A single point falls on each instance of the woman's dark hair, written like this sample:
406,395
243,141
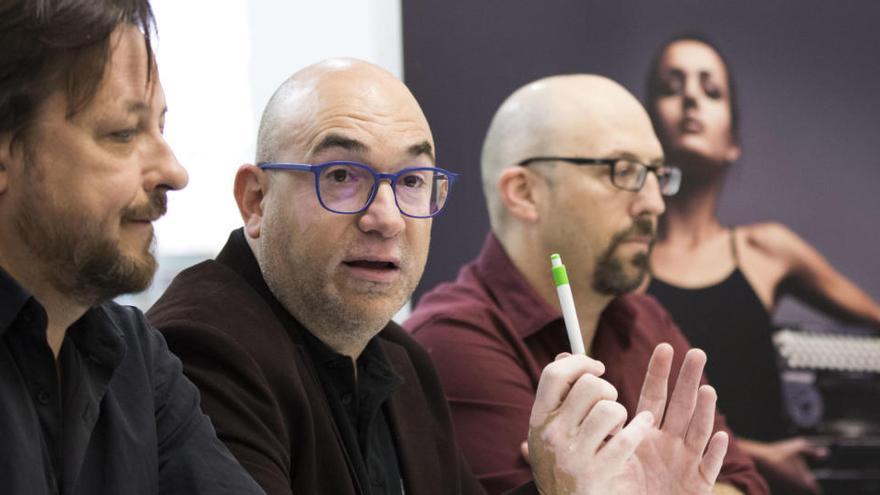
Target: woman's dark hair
51,45
654,84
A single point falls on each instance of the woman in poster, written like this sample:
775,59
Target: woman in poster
721,283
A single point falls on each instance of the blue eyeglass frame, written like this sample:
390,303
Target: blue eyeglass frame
377,178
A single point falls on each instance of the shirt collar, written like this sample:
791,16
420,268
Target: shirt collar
101,337
13,297
372,359
526,309
95,333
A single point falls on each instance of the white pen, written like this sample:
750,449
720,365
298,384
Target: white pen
566,302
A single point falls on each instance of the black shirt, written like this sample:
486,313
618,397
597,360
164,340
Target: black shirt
114,415
357,402
729,322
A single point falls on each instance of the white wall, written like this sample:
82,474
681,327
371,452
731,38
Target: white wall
219,62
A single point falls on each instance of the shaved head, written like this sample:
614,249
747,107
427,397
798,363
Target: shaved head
291,121
567,115
342,276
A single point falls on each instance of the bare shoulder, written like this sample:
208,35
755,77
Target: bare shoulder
775,241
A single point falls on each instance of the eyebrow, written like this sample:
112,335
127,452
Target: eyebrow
141,107
339,141
349,144
626,155
136,106
423,148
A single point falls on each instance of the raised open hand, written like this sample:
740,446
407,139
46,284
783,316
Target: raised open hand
578,444
674,457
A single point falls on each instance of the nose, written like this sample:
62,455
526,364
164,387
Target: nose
162,168
648,200
382,216
690,90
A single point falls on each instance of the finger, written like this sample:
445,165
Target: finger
606,418
556,382
684,397
710,466
623,445
561,355
805,447
817,452
653,395
580,401
703,420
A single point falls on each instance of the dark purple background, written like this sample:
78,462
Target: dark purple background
808,75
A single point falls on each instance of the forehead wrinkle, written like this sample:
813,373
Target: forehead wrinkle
363,129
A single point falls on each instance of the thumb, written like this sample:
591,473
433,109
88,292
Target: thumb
524,450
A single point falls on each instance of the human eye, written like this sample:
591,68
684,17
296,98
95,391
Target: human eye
413,180
712,90
671,85
339,174
626,168
123,135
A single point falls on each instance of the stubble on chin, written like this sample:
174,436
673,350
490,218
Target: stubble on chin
78,257
615,275
344,314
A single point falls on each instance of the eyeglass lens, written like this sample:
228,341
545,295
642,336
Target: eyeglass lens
347,188
631,175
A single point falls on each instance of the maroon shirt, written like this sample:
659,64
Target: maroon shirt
490,335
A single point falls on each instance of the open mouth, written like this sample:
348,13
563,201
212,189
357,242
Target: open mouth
377,271
372,265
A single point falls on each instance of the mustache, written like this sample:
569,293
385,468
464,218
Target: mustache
155,207
640,227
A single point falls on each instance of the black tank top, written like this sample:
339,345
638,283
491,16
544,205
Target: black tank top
729,322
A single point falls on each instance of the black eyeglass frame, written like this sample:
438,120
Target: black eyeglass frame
674,175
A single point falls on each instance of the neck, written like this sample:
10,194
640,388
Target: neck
61,310
534,264
691,215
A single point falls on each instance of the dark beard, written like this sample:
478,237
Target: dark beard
78,260
610,276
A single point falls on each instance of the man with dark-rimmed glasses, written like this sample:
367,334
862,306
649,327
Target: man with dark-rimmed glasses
571,165
288,331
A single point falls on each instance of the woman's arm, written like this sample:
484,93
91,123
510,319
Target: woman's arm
809,277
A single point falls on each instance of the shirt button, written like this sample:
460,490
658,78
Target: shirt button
346,399
43,397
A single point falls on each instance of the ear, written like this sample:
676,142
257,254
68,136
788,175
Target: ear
516,189
251,186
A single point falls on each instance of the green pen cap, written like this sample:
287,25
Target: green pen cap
560,277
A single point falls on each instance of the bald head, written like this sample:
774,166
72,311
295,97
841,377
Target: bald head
577,115
312,99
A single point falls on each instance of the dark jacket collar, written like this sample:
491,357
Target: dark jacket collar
238,257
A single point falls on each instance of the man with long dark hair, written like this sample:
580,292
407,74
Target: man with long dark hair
91,400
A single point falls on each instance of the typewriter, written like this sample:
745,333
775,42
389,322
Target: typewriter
831,393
